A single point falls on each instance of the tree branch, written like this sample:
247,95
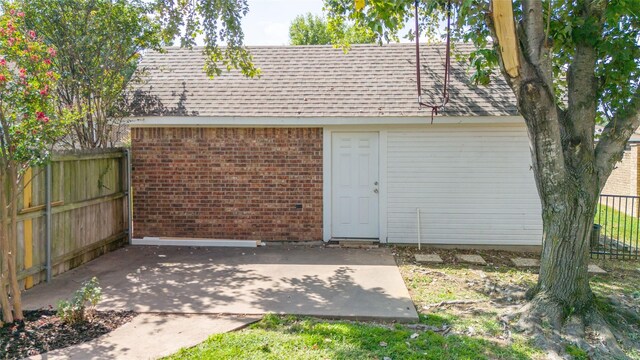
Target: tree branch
582,106
533,88
537,52
614,137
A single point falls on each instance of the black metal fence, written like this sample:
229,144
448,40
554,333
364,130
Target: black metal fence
616,228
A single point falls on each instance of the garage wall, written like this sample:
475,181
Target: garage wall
227,183
472,184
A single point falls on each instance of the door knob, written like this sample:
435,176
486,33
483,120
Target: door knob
375,191
375,183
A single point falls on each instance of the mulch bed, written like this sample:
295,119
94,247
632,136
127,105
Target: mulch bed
43,331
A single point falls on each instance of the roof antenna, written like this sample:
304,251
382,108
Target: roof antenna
447,64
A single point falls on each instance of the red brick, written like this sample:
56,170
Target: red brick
227,183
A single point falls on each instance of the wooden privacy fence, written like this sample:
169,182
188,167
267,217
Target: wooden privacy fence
72,211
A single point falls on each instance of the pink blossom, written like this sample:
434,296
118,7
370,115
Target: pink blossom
20,14
40,115
50,74
23,72
3,62
52,52
2,78
32,34
47,61
12,12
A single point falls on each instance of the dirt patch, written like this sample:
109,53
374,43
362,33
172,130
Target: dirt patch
43,331
492,257
476,300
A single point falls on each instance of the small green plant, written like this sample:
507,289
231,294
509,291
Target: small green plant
83,303
577,353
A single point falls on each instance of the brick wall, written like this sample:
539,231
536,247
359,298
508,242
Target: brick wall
624,178
227,183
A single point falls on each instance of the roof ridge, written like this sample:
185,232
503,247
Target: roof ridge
371,45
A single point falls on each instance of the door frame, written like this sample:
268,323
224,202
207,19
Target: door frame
327,168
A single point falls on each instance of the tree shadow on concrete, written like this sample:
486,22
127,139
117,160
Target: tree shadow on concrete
241,281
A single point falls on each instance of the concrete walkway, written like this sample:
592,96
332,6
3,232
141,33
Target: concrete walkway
151,336
334,283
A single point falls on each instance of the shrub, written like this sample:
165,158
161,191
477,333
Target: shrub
82,304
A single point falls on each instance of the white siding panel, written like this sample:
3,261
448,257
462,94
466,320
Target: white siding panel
473,185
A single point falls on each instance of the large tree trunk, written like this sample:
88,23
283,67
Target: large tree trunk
563,283
563,159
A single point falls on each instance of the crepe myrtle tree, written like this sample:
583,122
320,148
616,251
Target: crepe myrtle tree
99,44
570,64
28,129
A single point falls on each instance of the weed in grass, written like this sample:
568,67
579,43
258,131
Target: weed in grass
576,353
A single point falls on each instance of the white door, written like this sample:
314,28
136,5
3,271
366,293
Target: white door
355,185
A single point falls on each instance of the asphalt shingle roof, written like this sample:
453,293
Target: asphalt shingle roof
318,81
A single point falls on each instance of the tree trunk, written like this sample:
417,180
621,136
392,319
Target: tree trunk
7,315
563,284
16,296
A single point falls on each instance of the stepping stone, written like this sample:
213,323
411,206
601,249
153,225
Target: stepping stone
595,269
429,258
471,259
524,262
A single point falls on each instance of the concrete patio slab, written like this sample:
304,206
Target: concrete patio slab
471,259
524,262
316,281
429,258
151,336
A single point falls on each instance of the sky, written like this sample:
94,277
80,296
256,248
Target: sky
267,22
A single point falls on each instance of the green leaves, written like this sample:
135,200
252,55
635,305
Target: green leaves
315,30
28,123
99,44
75,311
483,62
217,21
617,41
309,29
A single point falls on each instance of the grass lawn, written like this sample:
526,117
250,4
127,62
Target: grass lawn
278,337
618,225
459,306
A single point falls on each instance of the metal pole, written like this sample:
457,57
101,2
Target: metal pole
418,227
128,191
48,215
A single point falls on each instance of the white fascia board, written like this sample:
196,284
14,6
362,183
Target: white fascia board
206,121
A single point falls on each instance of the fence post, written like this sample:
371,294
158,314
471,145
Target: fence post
128,192
48,215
